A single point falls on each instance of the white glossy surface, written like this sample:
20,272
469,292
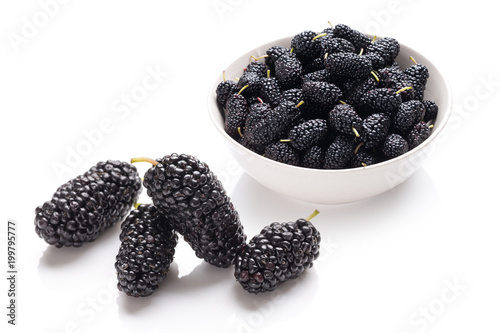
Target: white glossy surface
335,186
384,261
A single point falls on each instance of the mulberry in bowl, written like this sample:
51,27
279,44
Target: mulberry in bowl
326,121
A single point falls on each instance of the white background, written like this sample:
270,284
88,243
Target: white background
420,258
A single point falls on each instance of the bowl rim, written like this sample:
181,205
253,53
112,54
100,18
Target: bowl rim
214,112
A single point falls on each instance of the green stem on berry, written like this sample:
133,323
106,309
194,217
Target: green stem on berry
375,76
431,126
342,102
239,132
319,35
268,73
310,217
259,57
355,132
326,55
136,205
144,159
414,61
374,38
403,89
224,76
300,103
291,50
241,90
357,148
286,140
361,52
330,23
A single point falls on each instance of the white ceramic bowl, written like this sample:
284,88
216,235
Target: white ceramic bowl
335,186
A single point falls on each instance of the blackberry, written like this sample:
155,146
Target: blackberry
313,65
407,115
256,112
270,90
319,75
294,95
387,48
306,45
81,209
376,60
394,78
431,110
348,65
375,129
339,153
354,94
185,189
363,157
418,134
321,93
330,44
384,100
146,251
394,145
344,119
252,82
282,152
313,158
280,252
307,134
359,40
236,113
273,53
224,89
271,127
288,70
419,72
257,67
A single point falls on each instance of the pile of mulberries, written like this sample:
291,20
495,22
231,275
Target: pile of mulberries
188,200
327,97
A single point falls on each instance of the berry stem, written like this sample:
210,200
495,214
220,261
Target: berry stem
403,89
224,76
268,73
241,90
310,217
355,132
286,140
319,35
414,61
375,76
361,52
342,102
137,204
300,103
330,23
144,159
239,132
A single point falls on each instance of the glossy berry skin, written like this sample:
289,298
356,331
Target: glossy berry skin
418,134
288,70
186,190
282,152
348,65
387,48
224,90
235,115
359,40
339,153
394,146
305,46
81,209
408,114
344,119
385,100
280,252
321,93
146,251
308,133
375,129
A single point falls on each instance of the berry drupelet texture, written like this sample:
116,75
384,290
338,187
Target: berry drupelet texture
184,188
81,209
146,251
280,252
